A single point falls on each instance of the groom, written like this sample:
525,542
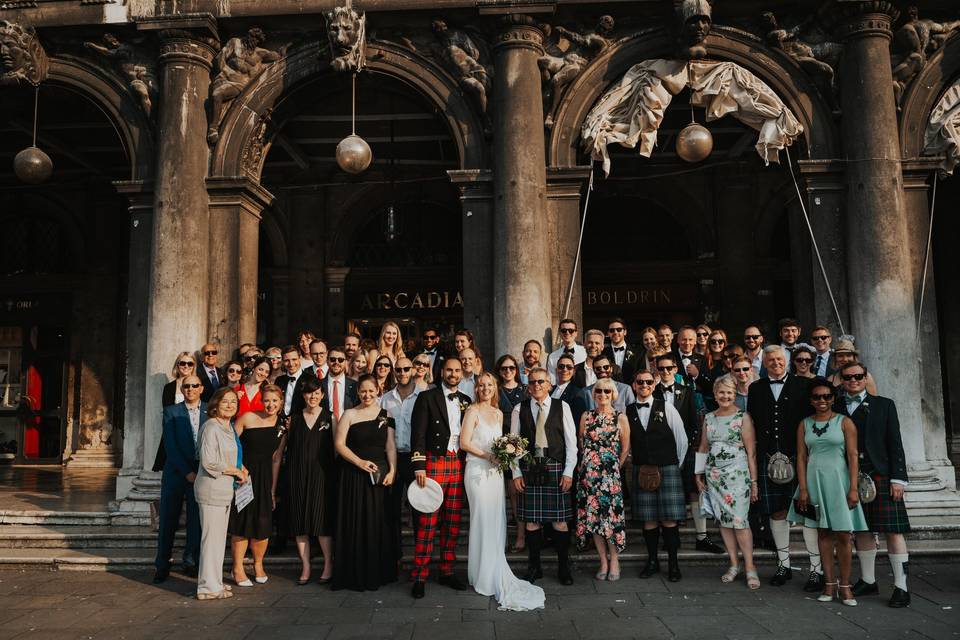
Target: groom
435,440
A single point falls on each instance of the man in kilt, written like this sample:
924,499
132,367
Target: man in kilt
777,404
543,485
883,459
435,440
657,439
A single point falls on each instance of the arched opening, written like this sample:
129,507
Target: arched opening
63,260
363,249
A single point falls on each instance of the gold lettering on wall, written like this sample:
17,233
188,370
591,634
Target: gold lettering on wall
654,296
404,300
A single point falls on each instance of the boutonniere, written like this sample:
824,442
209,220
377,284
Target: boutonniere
382,422
324,425
659,414
463,404
866,407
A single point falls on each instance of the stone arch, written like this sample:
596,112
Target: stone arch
775,68
277,241
110,94
941,70
239,127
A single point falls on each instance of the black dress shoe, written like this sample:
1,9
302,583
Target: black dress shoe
781,576
673,572
708,545
650,569
865,589
899,599
814,583
533,574
161,576
418,589
566,577
453,582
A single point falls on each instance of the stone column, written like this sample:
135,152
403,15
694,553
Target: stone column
521,275
564,205
476,201
882,310
235,208
178,300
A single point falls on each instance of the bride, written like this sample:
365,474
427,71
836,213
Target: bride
487,568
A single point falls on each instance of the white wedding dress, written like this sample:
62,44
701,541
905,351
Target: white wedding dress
487,568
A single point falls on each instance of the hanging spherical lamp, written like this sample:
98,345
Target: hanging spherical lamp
694,142
354,154
32,165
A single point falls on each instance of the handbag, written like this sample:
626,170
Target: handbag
866,487
779,469
648,477
809,513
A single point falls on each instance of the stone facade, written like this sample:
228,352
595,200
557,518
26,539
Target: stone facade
235,208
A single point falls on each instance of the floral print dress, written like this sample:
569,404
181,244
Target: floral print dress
599,492
727,473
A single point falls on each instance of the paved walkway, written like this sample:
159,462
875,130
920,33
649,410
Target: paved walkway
65,605
55,488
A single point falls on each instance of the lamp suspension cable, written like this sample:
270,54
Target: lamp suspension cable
353,103
813,241
36,108
576,261
926,262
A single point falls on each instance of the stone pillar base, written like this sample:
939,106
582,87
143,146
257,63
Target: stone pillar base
138,493
102,458
931,496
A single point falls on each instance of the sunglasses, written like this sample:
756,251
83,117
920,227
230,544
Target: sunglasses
847,377
540,381
382,365
603,367
567,330
210,353
731,356
565,367
821,396
702,334
752,337
232,370
336,359
615,330
419,363
273,357
248,358
717,341
402,369
510,367
819,338
184,363
605,392
742,369
803,360
195,385
646,382
666,368
431,337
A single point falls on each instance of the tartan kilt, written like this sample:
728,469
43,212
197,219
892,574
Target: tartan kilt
774,497
546,503
884,515
668,502
687,472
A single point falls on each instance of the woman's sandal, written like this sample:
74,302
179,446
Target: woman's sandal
215,596
825,597
753,580
850,602
730,575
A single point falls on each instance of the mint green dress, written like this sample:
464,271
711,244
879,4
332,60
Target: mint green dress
828,479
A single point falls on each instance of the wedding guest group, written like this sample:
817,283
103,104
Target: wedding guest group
356,439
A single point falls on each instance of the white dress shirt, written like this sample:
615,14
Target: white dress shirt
467,386
401,410
619,353
288,393
757,361
668,393
340,391
853,402
777,389
579,355
674,421
453,417
559,389
824,363
194,414
589,375
569,433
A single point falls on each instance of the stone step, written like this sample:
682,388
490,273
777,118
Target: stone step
112,559
74,518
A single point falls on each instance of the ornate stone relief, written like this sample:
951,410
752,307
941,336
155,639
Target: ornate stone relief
238,63
461,57
252,154
22,58
912,44
943,130
133,65
346,31
566,53
810,47
694,21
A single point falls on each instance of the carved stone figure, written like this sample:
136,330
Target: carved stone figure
252,154
132,66
346,31
462,58
22,57
696,19
559,68
912,43
815,55
237,64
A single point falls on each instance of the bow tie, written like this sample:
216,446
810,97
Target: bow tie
430,352
781,381
668,389
570,350
852,399
452,396
643,404
619,349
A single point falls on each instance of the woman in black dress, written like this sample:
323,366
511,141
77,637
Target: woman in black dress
365,554
311,479
258,431
512,393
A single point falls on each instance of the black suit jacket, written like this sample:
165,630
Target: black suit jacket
686,406
437,369
703,383
208,387
776,422
297,403
430,426
575,396
350,399
632,362
878,435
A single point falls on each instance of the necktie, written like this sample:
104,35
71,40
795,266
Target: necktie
336,399
213,378
819,362
541,433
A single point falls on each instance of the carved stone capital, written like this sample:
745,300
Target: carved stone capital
22,57
864,18
191,39
519,31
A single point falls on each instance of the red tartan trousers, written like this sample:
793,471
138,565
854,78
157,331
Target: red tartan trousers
447,470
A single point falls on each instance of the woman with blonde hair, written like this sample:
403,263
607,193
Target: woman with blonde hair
389,344
648,340
185,365
357,366
743,375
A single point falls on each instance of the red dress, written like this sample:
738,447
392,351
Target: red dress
247,403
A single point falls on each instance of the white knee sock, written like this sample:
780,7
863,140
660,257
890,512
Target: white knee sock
780,530
811,539
868,565
899,563
699,521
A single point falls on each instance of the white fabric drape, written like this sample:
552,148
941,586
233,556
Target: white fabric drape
943,130
631,112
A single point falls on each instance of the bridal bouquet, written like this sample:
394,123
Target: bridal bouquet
509,448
